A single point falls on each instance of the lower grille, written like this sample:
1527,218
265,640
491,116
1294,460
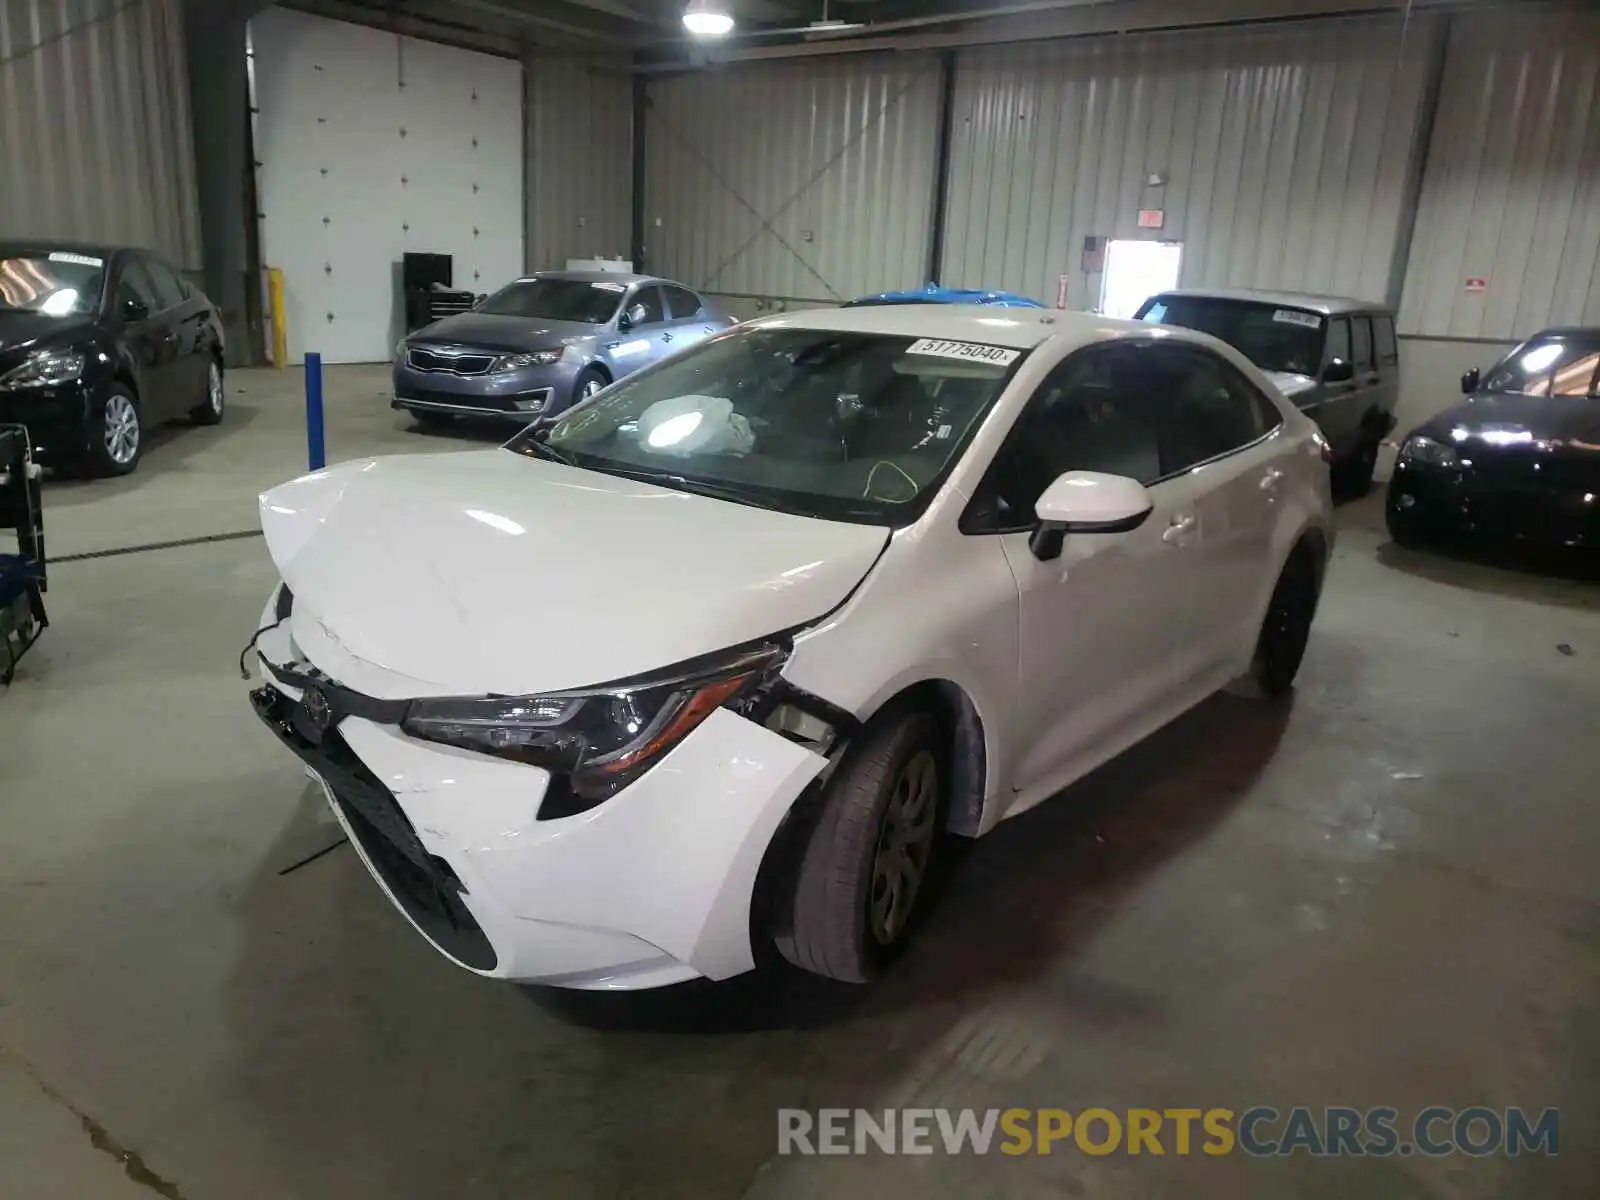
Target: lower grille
449,361
423,884
530,403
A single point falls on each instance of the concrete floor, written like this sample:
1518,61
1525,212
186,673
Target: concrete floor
1382,894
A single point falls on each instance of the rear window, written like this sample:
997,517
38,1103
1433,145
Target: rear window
1273,337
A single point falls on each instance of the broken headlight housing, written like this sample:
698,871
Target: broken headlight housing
45,368
598,739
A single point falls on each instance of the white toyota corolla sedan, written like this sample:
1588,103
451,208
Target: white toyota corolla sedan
720,657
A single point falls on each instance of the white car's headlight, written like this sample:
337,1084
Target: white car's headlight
1426,452
46,368
515,362
597,739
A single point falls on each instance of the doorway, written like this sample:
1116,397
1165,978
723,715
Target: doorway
1135,270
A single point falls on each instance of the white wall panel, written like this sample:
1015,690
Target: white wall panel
372,145
1286,149
580,160
812,181
1512,192
94,125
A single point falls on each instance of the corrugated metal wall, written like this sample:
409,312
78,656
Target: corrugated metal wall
1287,152
1512,193
580,160
95,142
809,181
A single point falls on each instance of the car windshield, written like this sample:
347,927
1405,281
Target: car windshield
1272,337
1557,365
58,283
854,427
589,302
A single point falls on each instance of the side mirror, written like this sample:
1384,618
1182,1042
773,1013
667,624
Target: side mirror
634,316
1470,381
1087,502
1338,371
477,301
134,310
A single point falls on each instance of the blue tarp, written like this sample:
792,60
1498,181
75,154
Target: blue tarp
942,295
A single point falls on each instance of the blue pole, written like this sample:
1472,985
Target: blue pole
316,449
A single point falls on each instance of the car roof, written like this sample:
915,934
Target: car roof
34,245
1565,331
1326,305
934,294
1016,328
625,278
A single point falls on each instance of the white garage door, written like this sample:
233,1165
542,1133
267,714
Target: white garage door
372,145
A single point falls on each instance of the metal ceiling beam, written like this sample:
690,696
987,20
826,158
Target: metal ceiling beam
1034,20
574,20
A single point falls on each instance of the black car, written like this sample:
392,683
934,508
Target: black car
1518,461
99,343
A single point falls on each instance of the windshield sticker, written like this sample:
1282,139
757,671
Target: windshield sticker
966,351
82,260
1289,316
611,287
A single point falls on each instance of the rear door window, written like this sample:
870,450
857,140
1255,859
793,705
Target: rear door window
1361,329
1383,336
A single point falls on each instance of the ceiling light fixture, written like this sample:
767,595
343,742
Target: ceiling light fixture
707,19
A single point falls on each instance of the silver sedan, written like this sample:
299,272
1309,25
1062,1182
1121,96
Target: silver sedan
545,342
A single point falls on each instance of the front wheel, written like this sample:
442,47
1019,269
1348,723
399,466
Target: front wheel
1287,627
591,381
116,432
863,879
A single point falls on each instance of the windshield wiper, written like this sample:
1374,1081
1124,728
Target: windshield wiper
531,442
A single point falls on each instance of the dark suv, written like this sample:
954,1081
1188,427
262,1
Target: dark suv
1336,359
97,344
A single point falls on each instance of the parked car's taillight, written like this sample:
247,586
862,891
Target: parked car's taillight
1324,447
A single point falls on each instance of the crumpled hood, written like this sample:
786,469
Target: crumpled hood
1290,383
491,572
490,332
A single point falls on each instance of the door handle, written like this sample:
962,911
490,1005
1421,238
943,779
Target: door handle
1180,528
1270,481
666,337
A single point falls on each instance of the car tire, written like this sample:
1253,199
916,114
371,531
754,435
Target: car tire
1286,628
1352,475
116,432
864,876
590,380
1401,532
211,409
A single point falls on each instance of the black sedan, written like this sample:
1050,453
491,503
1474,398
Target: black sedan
96,345
1518,461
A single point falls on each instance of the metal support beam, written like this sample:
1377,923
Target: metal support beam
941,164
641,106
1417,168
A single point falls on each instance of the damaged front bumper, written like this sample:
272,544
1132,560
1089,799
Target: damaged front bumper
654,886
